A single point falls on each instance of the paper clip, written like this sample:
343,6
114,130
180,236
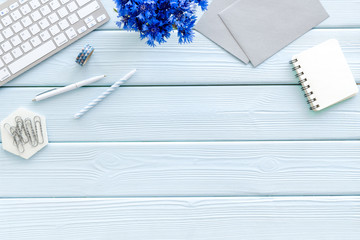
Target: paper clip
16,137
31,133
12,131
38,130
20,128
17,140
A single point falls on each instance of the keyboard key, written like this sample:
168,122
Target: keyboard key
34,29
6,46
90,8
60,39
22,1
35,41
17,52
25,9
1,39
45,10
89,19
14,6
34,4
45,35
26,21
81,30
53,18
25,35
101,18
72,6
4,74
15,40
35,16
71,33
7,58
44,23
26,47
73,18
63,12
82,2
32,56
64,24
16,15
44,1
8,32
54,4
91,24
1,26
64,1
54,30
1,65
17,27
6,21
4,12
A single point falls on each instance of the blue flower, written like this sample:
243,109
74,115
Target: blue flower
156,19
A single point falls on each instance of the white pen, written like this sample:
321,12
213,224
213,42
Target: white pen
57,91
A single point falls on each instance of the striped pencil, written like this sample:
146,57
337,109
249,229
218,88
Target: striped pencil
104,95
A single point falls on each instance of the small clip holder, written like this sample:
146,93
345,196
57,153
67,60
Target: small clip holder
23,133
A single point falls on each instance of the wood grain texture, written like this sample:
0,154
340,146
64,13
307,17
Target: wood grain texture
196,157
189,114
201,63
184,169
330,218
343,13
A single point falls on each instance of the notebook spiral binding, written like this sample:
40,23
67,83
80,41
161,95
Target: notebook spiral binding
305,87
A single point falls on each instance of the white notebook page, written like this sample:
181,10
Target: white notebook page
327,73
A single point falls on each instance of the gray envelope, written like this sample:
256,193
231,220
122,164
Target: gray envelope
211,26
264,27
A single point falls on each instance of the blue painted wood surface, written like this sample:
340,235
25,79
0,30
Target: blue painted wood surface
195,146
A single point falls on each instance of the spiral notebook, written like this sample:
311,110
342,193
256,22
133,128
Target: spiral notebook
324,74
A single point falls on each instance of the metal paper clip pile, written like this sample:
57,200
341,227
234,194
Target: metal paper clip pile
26,131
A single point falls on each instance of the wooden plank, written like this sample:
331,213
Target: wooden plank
343,13
330,218
189,114
201,63
184,169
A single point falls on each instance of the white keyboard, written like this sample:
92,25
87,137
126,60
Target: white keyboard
33,30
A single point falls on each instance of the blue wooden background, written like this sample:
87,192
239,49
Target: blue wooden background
195,146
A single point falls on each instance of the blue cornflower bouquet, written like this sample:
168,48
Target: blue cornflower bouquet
156,19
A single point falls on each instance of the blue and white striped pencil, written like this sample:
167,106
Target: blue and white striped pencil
104,94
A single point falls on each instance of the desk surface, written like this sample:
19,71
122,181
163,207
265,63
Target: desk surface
195,146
